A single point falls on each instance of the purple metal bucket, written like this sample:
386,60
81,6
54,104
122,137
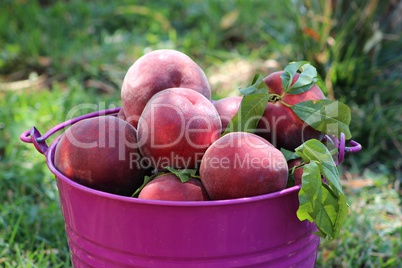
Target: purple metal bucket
106,230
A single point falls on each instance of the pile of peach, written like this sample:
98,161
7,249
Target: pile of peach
171,141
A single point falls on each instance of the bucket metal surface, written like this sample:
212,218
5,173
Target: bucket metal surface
106,230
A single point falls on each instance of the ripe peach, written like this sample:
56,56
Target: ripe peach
176,127
298,172
121,114
242,164
98,153
156,71
227,108
169,187
279,124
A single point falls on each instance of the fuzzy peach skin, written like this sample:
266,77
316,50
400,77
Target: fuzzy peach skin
298,172
170,188
227,109
156,71
98,152
176,127
242,164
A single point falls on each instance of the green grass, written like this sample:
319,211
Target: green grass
85,47
372,233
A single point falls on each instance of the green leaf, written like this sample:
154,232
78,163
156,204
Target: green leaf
289,155
289,72
250,111
183,174
327,213
327,116
314,150
337,210
343,209
322,203
310,193
307,79
257,86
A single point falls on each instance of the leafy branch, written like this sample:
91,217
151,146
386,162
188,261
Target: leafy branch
322,202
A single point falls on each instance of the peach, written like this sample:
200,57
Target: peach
242,164
227,109
176,127
98,153
170,188
156,71
279,124
298,172
121,115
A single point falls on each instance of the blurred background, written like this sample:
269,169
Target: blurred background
55,55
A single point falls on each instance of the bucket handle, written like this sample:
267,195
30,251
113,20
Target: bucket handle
342,148
39,141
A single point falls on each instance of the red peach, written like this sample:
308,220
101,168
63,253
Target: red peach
227,109
298,172
98,153
176,127
156,71
121,114
170,188
242,164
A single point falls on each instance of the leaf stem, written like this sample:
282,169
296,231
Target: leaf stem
284,103
275,98
292,170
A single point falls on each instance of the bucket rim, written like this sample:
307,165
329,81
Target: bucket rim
227,202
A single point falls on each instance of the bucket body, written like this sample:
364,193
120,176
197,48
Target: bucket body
106,230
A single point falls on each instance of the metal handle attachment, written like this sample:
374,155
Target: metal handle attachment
342,148
39,141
